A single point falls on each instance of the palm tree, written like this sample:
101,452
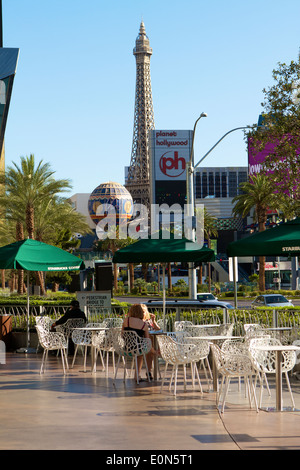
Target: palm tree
29,186
257,194
55,216
26,187
209,230
11,231
56,223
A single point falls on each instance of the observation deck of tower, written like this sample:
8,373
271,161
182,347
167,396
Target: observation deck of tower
138,180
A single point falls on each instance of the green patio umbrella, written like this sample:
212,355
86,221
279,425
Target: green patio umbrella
164,250
282,240
32,255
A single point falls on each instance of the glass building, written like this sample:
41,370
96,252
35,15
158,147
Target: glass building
222,182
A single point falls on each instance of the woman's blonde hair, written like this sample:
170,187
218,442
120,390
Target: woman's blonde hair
137,311
146,312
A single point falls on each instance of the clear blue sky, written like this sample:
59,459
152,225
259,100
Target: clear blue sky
73,97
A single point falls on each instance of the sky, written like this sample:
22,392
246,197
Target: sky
72,103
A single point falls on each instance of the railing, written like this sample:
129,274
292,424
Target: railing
268,318
19,313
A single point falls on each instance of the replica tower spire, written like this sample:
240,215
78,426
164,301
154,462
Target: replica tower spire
138,180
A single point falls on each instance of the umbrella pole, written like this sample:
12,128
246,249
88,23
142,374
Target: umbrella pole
27,349
28,316
235,281
164,296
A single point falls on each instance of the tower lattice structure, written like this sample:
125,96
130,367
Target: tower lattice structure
138,180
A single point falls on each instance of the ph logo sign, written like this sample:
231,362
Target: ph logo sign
173,165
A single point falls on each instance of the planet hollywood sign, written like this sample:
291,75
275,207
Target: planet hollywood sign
168,142
170,152
173,162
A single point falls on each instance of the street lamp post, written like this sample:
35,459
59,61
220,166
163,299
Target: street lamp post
190,196
191,212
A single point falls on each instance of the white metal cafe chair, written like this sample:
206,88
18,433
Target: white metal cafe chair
225,329
265,362
254,330
176,354
251,326
45,322
193,330
181,325
297,343
52,341
67,328
235,346
83,338
112,322
128,345
202,347
231,366
103,342
203,331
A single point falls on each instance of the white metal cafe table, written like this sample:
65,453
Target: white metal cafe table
201,328
278,349
214,339
280,329
94,330
154,334
209,325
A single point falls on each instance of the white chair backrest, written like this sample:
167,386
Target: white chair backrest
225,329
44,321
112,322
130,344
266,360
181,325
49,339
67,327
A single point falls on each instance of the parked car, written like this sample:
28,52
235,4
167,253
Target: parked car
205,296
215,304
271,300
207,304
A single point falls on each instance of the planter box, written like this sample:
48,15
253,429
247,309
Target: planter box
19,340
6,330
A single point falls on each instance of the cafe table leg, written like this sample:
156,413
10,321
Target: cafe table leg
215,376
93,354
278,381
214,372
155,360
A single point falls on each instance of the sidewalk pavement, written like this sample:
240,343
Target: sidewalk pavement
85,411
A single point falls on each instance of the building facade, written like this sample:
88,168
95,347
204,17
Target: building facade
219,182
215,188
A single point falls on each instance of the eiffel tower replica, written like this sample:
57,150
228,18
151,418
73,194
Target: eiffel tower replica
138,180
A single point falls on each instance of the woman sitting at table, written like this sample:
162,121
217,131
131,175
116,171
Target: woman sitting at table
150,318
152,325
135,322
